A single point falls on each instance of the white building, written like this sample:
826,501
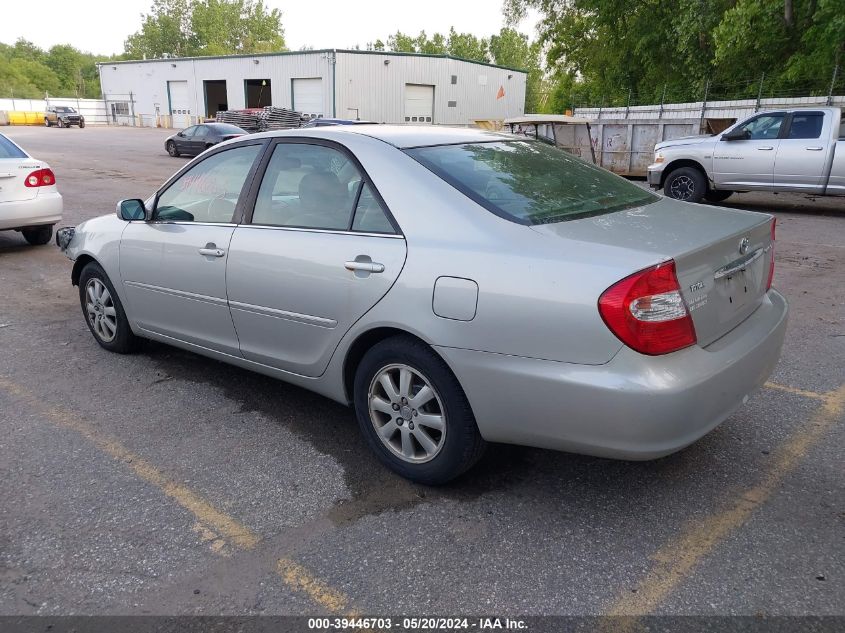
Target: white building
384,87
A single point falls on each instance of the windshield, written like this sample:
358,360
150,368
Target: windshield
64,109
530,182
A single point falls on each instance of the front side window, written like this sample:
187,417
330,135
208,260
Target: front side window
765,127
189,131
312,186
806,125
530,182
209,191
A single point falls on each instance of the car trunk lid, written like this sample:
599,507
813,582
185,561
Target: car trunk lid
722,256
13,173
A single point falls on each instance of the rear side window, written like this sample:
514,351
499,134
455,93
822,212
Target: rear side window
806,125
530,182
9,149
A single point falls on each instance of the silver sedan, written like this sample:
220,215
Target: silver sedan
455,286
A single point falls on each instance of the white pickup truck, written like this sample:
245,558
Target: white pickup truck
801,150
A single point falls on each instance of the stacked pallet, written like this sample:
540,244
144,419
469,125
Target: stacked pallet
281,119
262,119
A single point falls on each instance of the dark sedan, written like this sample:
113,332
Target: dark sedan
198,138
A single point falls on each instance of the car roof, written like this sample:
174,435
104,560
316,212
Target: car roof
401,136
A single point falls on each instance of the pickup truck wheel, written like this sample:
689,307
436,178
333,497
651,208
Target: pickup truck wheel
413,412
104,312
713,195
38,235
685,183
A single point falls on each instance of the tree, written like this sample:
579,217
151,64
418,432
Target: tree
165,30
513,49
467,46
223,27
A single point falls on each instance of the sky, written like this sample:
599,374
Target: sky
101,26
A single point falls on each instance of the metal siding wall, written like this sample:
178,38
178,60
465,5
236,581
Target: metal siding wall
363,82
378,90
148,80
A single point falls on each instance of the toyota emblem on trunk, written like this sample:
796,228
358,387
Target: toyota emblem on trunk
743,246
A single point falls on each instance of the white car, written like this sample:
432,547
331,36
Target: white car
29,200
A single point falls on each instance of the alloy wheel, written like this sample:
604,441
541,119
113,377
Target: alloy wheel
407,413
682,188
100,309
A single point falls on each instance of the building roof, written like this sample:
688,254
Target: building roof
311,52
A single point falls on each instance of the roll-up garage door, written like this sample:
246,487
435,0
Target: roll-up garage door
180,103
308,96
419,103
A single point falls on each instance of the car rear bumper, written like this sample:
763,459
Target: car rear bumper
45,208
634,407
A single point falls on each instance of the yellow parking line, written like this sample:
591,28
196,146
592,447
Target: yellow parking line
297,577
213,526
674,561
796,391
225,526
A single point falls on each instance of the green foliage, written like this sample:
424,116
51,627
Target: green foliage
28,72
613,51
185,28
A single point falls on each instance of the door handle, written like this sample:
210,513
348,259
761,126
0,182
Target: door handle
368,267
211,250
767,148
814,149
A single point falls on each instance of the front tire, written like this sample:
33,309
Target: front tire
104,312
414,413
172,149
714,195
38,235
685,183
81,124
60,123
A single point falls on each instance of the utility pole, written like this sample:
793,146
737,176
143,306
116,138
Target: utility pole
760,92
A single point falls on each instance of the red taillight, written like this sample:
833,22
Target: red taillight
41,178
772,259
647,312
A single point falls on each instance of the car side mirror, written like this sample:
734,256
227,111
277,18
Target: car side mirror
179,134
737,135
131,209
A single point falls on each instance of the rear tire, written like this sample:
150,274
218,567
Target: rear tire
714,195
685,183
38,235
104,312
437,438
46,122
172,149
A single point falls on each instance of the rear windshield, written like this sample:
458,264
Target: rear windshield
530,182
9,149
225,128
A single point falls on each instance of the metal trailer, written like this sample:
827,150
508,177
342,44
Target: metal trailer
623,146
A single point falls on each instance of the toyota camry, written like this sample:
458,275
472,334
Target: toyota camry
454,286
